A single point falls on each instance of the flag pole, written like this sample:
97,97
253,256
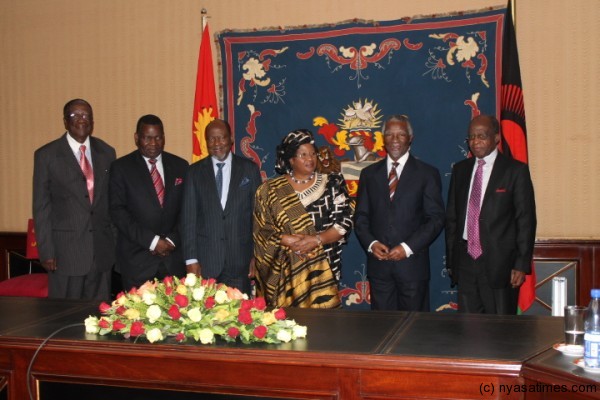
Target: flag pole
205,17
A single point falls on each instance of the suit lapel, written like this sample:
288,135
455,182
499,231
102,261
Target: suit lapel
380,177
405,178
71,167
145,179
498,171
234,182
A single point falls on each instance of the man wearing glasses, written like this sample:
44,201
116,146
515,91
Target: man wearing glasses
490,224
70,208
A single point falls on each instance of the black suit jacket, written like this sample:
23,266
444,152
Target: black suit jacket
68,228
415,215
219,238
138,216
507,221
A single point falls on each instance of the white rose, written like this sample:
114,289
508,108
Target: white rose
195,315
198,293
299,331
148,298
91,325
290,322
206,336
221,297
154,335
191,279
153,313
284,335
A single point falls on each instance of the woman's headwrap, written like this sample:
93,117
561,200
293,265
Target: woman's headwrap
288,148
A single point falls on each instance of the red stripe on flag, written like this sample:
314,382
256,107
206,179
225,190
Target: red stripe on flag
205,100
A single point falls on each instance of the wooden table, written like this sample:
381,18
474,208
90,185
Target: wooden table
346,355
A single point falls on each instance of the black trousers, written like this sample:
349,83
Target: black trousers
475,295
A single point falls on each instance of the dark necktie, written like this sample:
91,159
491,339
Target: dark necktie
86,168
474,243
219,178
393,180
157,182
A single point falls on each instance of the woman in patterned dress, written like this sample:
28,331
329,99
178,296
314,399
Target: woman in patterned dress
301,220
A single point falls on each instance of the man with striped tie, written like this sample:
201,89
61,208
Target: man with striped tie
146,189
399,212
70,208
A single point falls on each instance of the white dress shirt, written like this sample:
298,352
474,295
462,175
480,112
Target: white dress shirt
485,179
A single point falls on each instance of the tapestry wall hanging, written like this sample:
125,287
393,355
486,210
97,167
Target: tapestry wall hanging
343,80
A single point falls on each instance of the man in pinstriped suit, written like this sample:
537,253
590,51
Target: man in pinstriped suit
217,232
74,235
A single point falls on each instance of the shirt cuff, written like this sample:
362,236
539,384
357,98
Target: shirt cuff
154,243
407,249
370,249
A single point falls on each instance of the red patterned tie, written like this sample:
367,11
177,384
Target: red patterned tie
88,172
157,182
473,242
393,180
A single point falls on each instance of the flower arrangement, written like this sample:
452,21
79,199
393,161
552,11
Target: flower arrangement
193,308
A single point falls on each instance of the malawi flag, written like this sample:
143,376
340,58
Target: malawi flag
514,131
205,101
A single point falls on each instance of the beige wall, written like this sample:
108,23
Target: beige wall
129,58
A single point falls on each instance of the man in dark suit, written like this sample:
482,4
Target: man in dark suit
146,190
490,256
399,212
217,212
70,208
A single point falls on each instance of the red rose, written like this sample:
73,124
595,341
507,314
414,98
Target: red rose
260,303
104,324
181,300
174,312
180,337
245,317
211,281
137,329
120,294
120,310
168,281
209,302
118,325
133,290
233,332
104,307
280,314
247,305
260,331
168,290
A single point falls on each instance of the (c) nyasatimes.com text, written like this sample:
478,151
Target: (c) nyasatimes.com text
490,388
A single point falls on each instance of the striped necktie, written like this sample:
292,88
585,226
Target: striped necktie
157,182
393,180
88,172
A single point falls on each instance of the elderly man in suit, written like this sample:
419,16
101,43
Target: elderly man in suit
490,224
399,212
70,208
146,190
217,212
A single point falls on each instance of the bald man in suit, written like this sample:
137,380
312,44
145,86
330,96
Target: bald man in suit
149,241
217,224
70,208
489,262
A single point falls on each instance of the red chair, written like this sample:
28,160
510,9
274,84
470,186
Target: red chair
31,284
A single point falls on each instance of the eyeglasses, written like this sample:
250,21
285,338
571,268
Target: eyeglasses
86,117
305,156
471,138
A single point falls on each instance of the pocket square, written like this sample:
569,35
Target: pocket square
501,190
178,181
245,182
